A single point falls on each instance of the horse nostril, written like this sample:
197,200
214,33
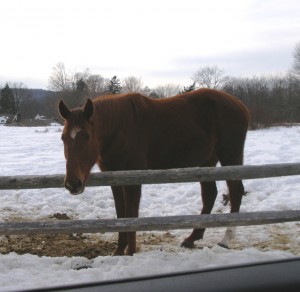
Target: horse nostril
77,184
68,186
74,187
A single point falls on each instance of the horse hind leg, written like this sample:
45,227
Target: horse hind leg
236,192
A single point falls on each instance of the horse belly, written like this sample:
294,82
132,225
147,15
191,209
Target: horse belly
181,151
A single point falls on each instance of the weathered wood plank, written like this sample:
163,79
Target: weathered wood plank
136,177
148,224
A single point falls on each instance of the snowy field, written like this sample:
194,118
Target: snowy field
40,151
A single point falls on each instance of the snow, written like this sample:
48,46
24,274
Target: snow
40,151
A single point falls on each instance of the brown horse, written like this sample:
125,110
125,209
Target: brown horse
132,132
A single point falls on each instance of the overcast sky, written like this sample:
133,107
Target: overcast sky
158,41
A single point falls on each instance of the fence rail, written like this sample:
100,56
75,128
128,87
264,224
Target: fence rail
152,177
148,224
136,177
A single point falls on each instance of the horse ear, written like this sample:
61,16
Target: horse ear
63,110
88,109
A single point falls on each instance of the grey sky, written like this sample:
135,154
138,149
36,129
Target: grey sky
159,41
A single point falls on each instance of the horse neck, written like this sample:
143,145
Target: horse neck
107,120
113,113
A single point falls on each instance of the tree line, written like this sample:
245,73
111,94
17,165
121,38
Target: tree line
23,103
272,100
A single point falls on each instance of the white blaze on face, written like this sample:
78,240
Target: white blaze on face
74,132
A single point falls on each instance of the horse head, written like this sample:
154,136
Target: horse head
79,145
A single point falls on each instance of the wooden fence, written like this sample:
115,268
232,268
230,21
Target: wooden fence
153,177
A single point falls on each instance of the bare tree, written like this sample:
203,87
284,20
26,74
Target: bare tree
296,63
97,85
58,80
72,87
210,77
167,90
132,84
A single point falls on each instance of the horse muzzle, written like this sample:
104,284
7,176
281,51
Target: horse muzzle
75,187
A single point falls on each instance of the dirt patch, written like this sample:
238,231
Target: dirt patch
57,245
94,245
282,239
269,237
86,245
60,216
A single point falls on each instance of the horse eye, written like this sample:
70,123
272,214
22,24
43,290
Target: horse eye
85,135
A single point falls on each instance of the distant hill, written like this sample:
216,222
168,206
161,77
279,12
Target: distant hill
42,93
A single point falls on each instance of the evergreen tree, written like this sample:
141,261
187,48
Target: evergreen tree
81,85
153,94
7,102
114,86
189,88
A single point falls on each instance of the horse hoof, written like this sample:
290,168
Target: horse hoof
187,244
117,252
223,245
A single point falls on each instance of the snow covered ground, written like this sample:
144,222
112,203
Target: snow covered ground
40,151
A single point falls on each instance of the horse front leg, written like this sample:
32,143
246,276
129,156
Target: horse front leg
118,194
132,203
209,193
